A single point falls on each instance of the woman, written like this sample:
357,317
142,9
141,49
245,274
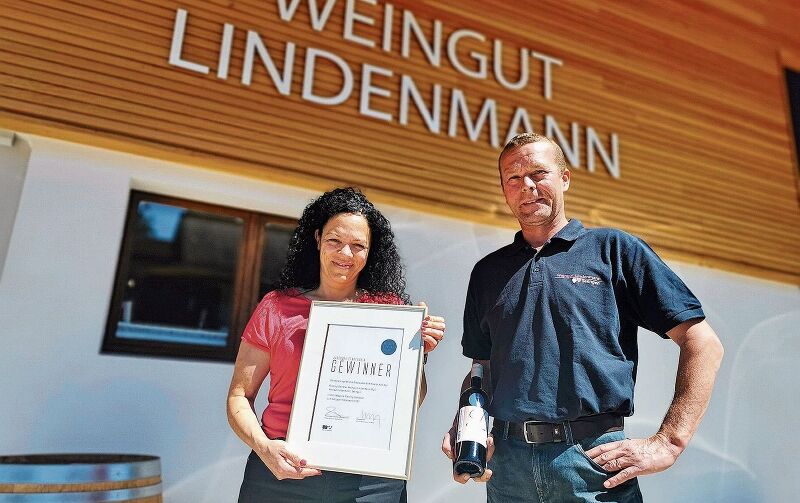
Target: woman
342,250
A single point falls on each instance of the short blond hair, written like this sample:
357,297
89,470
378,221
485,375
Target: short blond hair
526,138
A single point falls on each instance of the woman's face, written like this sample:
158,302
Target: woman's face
343,248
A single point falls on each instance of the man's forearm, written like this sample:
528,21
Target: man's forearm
700,358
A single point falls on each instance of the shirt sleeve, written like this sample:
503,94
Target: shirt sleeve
655,297
260,330
475,342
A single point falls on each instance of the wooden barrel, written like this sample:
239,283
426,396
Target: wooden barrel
77,478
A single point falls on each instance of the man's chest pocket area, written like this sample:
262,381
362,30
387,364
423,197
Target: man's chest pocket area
584,294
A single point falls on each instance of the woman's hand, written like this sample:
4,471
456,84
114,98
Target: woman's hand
432,331
282,462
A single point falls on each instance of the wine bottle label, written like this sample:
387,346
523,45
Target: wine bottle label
472,423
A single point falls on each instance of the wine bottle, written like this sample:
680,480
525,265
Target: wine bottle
473,427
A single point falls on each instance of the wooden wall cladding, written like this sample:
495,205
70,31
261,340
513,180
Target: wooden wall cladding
691,91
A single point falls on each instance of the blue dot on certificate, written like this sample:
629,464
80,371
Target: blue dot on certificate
388,347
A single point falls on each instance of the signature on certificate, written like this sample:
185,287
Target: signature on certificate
369,418
332,413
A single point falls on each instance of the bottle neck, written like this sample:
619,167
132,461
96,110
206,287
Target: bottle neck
475,381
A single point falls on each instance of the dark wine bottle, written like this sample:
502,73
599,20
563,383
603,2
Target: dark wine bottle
473,427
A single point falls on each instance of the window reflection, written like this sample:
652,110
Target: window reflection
273,256
181,275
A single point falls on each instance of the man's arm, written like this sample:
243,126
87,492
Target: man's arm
700,357
449,440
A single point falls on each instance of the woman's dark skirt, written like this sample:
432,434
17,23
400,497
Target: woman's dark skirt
260,485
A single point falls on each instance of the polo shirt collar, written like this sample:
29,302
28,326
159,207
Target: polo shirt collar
572,231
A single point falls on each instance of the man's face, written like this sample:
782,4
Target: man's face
533,184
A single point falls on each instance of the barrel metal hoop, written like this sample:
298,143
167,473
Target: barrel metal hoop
77,473
84,497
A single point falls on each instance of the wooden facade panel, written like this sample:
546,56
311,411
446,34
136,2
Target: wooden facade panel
115,85
693,90
185,112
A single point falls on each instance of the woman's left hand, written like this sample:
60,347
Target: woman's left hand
433,328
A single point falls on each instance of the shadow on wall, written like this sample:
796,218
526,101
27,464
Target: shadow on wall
702,476
762,405
110,415
222,477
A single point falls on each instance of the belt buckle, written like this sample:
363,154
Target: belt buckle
525,431
556,436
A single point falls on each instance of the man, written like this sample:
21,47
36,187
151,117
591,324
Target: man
553,317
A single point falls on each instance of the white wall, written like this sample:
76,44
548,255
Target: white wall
58,394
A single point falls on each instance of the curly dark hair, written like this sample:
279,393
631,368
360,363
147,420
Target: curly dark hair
383,272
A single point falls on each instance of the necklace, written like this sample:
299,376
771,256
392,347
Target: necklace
314,295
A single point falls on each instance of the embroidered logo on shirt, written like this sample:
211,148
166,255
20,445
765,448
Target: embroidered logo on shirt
581,278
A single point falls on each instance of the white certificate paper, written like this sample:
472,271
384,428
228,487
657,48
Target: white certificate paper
355,404
355,399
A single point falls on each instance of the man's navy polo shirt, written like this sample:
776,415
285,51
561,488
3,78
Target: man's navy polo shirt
559,326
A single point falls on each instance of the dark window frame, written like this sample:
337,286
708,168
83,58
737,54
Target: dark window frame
245,289
793,98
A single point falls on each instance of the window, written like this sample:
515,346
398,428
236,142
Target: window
189,275
793,83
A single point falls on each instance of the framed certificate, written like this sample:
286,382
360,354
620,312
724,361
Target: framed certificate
355,405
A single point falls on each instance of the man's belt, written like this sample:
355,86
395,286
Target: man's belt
537,432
